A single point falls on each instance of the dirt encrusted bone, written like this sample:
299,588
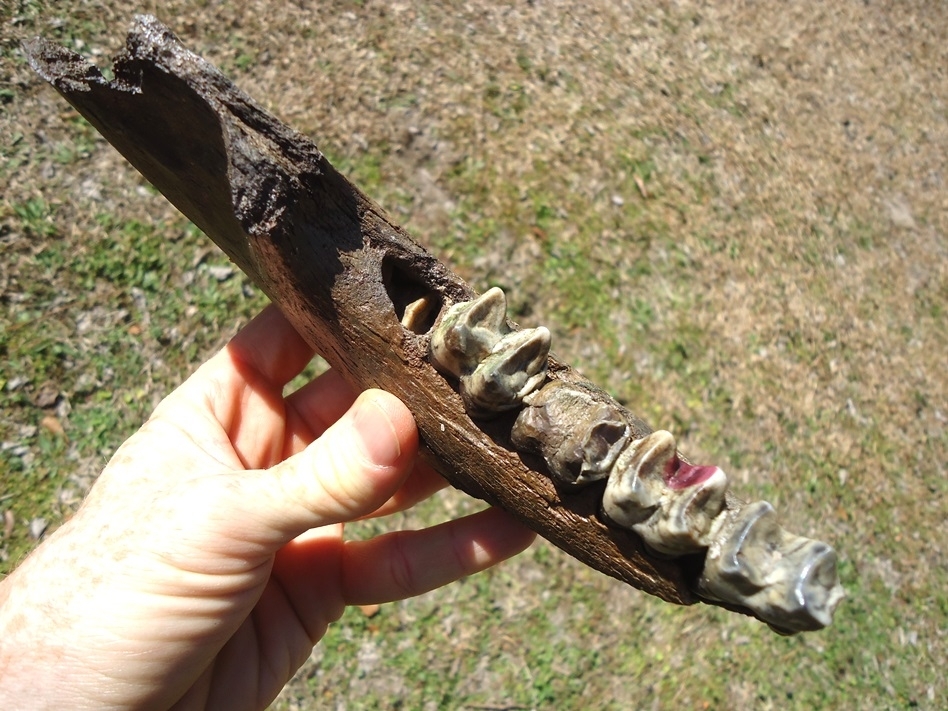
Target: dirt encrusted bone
677,508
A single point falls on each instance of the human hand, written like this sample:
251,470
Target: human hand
209,556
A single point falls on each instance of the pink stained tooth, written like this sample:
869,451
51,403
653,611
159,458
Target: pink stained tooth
681,475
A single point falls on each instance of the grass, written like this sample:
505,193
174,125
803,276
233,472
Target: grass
126,286
680,194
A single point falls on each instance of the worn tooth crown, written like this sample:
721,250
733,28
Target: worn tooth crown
789,581
688,518
578,437
671,504
515,367
742,558
628,499
468,332
633,493
675,507
604,441
816,590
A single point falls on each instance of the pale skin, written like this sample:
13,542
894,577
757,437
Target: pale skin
209,557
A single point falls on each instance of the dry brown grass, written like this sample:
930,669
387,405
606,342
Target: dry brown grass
731,214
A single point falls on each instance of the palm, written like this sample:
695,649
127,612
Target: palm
209,557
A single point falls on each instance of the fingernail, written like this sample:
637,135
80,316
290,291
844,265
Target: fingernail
380,445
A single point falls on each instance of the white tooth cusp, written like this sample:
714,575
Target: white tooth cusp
676,508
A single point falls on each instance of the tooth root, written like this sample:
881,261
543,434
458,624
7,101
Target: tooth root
468,332
417,312
515,367
789,581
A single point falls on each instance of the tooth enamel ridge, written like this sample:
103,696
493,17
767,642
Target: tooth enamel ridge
675,507
495,366
515,367
791,580
671,520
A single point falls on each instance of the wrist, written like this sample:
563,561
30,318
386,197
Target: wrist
42,663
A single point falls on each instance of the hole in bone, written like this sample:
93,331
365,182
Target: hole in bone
416,304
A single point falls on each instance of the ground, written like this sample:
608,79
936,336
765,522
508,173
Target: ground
731,215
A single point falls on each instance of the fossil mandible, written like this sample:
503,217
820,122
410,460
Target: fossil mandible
675,507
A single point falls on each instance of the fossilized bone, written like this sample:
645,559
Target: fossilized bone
677,508
360,290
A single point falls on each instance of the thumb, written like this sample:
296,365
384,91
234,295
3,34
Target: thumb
348,472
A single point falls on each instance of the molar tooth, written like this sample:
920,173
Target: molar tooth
743,556
468,332
628,499
515,367
688,518
672,505
789,581
578,436
636,484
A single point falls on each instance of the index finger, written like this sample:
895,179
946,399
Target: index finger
420,484
270,347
